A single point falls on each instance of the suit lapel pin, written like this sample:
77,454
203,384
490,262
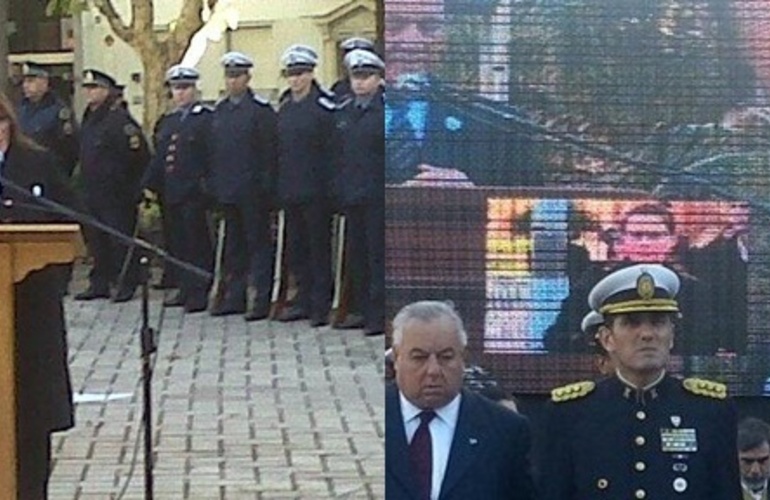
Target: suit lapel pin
473,441
676,420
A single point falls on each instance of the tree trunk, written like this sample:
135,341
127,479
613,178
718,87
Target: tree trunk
4,83
155,101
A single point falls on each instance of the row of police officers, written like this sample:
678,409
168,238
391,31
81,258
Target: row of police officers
317,154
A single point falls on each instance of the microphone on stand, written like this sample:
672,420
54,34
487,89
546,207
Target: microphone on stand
37,195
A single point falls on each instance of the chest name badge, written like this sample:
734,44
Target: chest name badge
678,440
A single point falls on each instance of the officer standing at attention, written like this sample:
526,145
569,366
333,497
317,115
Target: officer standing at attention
641,433
341,87
359,188
113,156
178,172
306,133
46,119
242,170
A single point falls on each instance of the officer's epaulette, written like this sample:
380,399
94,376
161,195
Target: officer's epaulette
261,100
327,103
65,114
706,388
572,391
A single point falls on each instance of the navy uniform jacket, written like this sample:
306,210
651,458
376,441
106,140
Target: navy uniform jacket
487,458
182,150
667,442
243,138
52,125
42,373
473,136
306,131
360,176
114,154
341,89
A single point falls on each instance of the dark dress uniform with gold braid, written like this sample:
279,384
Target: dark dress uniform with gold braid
656,438
673,440
114,154
177,172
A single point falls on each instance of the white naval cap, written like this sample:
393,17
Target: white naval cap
363,60
639,288
299,56
182,74
356,42
236,62
591,322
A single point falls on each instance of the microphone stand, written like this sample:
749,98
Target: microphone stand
149,348
148,334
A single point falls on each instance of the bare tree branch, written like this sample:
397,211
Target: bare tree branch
188,22
142,20
117,24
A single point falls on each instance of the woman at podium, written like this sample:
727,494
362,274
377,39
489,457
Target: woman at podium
43,387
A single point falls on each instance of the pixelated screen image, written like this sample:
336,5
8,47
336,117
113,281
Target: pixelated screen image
533,146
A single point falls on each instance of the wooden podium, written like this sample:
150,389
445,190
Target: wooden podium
23,248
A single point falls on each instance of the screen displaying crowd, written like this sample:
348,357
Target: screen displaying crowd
532,147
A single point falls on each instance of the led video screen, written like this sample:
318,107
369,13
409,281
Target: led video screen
533,146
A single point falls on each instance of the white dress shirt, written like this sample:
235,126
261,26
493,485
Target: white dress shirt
442,431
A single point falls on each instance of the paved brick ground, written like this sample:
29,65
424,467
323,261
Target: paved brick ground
242,410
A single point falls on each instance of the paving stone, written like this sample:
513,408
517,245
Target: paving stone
241,410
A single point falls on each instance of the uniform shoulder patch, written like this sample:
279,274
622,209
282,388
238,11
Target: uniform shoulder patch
572,391
261,100
703,387
130,129
327,103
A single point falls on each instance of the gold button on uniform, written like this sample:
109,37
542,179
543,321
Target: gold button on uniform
640,466
640,494
641,415
639,440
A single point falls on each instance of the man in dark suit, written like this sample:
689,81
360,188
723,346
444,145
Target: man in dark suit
443,442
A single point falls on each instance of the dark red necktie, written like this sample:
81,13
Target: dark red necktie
421,454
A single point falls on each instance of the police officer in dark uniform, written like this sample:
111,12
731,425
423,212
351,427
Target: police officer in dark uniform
242,171
341,88
46,119
641,433
177,172
359,188
306,132
113,154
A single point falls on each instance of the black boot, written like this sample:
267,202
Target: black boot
294,313
260,309
124,294
176,299
92,293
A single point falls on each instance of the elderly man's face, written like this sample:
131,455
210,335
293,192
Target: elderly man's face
415,37
755,465
429,363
